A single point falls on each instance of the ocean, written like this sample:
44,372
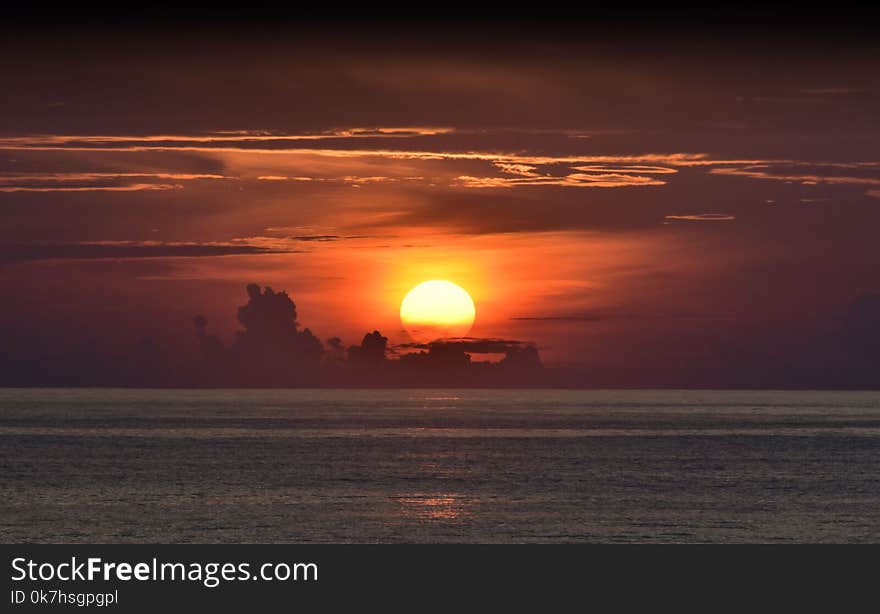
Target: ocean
488,466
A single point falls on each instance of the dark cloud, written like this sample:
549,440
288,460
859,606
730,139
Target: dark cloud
370,353
470,344
270,351
119,250
448,361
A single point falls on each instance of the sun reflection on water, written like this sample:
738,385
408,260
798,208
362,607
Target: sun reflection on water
433,506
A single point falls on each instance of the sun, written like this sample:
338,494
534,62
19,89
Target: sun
437,309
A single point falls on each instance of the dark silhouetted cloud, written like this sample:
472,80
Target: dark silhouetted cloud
272,350
371,351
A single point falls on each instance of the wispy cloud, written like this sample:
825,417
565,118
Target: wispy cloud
286,145
9,178
325,238
576,180
524,170
606,175
92,182
511,169
131,187
234,136
328,164
702,217
473,345
283,178
129,250
315,238
779,173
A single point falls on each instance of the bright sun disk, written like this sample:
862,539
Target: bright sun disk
437,309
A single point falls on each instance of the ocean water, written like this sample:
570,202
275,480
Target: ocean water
93,465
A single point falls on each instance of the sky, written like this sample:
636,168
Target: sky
660,208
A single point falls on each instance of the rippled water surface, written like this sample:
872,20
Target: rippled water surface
438,466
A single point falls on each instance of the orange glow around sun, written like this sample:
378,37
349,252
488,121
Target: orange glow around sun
437,309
